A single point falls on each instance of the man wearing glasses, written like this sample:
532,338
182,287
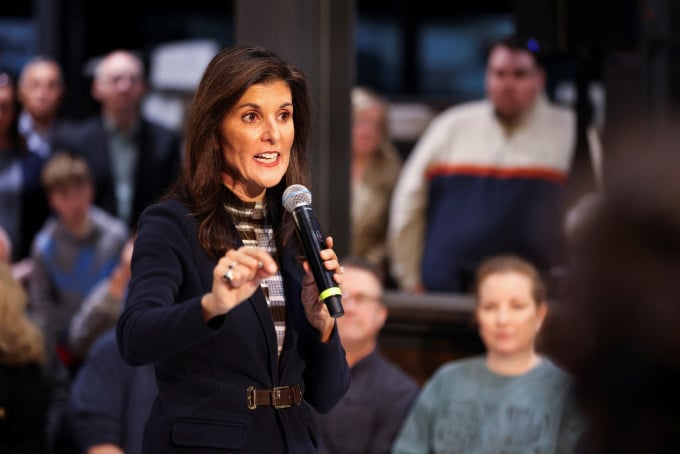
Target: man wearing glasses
369,416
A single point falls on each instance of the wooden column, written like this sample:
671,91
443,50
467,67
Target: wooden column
318,37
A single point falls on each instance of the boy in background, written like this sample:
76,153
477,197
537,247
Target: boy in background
76,248
79,245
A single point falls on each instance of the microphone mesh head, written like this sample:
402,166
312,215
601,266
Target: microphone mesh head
294,196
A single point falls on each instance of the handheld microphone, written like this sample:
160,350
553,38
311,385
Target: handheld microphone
297,200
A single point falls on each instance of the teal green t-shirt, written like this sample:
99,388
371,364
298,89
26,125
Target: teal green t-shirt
465,408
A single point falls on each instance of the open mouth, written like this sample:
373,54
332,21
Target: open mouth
267,158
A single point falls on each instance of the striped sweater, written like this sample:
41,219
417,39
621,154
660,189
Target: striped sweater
469,190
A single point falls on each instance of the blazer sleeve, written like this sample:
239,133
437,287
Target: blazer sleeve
327,378
326,375
154,307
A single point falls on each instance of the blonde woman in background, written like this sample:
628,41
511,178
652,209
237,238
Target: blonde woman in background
23,390
376,165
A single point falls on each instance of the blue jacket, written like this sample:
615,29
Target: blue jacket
204,369
110,400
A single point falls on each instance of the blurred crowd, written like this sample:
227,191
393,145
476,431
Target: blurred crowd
478,206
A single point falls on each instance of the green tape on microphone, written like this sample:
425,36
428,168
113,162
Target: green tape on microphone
330,292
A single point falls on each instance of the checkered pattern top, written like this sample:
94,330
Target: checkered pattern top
251,224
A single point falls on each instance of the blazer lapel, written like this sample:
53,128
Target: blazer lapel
259,303
292,274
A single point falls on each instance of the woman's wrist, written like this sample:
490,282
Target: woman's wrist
327,330
208,304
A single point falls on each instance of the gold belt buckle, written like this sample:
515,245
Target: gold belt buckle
276,397
251,398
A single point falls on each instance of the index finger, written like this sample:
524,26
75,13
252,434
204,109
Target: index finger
261,258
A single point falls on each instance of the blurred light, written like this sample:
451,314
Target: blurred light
533,45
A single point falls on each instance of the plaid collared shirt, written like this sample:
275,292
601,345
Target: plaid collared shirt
252,227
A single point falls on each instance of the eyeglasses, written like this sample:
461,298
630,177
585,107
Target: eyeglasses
360,298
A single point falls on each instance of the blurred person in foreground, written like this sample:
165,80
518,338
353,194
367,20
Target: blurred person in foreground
376,164
23,206
23,387
221,299
110,401
618,327
133,159
513,399
486,177
41,92
369,416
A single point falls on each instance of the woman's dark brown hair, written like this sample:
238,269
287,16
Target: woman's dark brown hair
228,75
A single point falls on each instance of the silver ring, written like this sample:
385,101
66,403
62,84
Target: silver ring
233,265
229,275
260,265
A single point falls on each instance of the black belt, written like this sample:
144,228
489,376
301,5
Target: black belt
279,397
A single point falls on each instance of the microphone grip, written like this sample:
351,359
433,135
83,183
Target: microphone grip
313,241
334,305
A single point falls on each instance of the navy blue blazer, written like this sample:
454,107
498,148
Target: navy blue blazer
204,369
159,160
